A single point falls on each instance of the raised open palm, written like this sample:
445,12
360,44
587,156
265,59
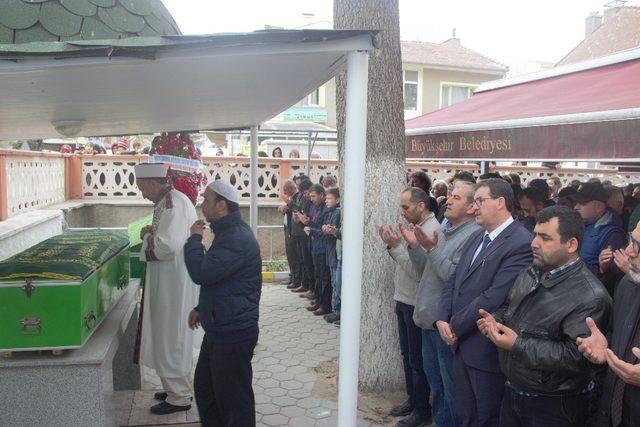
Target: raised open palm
594,346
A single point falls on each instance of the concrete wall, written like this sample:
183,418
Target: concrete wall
109,215
431,80
105,215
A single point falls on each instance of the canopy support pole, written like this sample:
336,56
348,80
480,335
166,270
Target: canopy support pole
253,206
353,235
309,154
484,167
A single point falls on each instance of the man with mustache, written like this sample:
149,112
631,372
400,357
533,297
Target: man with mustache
414,206
436,257
548,381
620,349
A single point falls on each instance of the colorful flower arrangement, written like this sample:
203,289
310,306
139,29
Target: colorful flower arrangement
180,145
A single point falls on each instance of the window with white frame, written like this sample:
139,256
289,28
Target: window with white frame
410,89
452,93
311,100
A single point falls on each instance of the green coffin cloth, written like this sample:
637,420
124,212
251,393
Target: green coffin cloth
73,255
135,227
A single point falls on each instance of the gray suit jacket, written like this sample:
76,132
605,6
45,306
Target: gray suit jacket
437,266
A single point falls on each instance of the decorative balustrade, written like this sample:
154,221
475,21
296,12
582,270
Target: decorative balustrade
113,177
567,175
32,180
110,177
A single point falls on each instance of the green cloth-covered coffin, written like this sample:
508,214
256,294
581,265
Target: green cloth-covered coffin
137,267
55,294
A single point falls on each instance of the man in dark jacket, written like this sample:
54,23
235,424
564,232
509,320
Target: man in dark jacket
313,227
620,349
548,380
603,232
289,191
230,279
300,207
332,232
489,263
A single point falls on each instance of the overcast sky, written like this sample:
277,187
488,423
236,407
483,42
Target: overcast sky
505,30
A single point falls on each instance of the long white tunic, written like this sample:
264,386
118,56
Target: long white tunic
167,341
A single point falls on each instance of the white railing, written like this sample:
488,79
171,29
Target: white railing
34,181
113,177
271,173
110,177
31,180
567,175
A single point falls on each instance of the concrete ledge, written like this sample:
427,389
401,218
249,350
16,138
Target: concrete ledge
30,228
25,221
79,203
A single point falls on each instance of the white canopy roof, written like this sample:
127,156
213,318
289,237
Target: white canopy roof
143,85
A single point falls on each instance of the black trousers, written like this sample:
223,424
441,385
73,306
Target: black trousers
291,252
323,281
222,384
411,348
303,250
519,410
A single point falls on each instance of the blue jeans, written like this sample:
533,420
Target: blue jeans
445,357
336,284
411,348
435,369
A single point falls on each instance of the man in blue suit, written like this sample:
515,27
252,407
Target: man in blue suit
490,261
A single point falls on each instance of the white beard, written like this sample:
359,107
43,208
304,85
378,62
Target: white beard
635,276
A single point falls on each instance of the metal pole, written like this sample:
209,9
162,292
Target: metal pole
352,236
309,154
484,167
253,206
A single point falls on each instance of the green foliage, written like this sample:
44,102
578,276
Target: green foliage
276,264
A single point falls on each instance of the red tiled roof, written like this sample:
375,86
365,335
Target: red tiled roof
620,30
448,54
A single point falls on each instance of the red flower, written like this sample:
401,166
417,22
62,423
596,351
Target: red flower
180,145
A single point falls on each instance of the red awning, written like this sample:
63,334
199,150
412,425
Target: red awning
593,113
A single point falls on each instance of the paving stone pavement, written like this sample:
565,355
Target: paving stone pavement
292,342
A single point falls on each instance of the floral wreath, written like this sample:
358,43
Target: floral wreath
179,144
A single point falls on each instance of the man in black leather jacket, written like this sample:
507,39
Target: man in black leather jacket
548,380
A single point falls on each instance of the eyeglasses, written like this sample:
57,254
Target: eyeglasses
635,243
480,200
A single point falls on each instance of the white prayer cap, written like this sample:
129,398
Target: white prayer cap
225,190
151,170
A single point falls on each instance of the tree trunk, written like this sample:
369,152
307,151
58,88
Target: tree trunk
380,361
